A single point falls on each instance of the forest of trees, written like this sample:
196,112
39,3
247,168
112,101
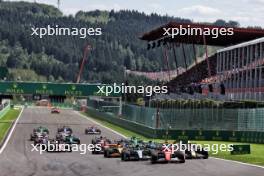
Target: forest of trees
57,58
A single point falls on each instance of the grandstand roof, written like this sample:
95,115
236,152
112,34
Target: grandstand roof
240,35
240,45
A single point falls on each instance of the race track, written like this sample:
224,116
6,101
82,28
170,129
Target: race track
18,160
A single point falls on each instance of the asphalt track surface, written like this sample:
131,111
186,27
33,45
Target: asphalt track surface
18,160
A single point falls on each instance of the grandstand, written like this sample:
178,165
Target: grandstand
240,70
232,73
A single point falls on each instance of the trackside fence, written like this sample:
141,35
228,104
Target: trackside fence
4,109
241,125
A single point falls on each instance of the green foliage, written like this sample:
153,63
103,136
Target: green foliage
25,75
31,8
10,116
59,57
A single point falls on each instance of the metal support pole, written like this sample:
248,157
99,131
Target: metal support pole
242,74
228,76
247,81
260,71
232,72
239,73
195,58
218,58
120,106
250,71
206,56
175,58
184,57
255,74
167,60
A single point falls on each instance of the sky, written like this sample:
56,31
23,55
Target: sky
246,12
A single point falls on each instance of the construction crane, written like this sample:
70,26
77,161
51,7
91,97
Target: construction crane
85,55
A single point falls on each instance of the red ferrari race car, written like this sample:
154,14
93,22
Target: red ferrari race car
166,155
55,110
92,130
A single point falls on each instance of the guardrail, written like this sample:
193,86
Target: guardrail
4,110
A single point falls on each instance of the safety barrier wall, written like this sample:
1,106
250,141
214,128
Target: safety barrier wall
4,109
213,135
240,119
177,134
112,118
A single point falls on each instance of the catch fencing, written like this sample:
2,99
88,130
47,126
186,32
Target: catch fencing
4,108
240,125
214,118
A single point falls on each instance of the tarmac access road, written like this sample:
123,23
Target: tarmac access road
17,158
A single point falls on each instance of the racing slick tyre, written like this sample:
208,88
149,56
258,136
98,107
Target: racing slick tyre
31,138
205,154
180,156
124,157
154,158
106,154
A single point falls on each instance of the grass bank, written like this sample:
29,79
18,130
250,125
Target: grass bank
6,122
256,156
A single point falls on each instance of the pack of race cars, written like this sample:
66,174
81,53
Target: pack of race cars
132,149
64,136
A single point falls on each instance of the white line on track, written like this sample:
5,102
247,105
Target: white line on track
100,124
238,162
11,132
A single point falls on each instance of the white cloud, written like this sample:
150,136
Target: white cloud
199,10
155,6
259,2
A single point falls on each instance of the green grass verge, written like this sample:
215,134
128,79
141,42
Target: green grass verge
6,121
256,156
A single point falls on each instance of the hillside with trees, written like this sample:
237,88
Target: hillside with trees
58,58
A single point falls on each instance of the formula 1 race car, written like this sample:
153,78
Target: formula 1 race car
40,139
63,133
92,130
135,153
55,110
103,142
113,150
195,151
72,140
164,156
55,146
65,129
39,132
